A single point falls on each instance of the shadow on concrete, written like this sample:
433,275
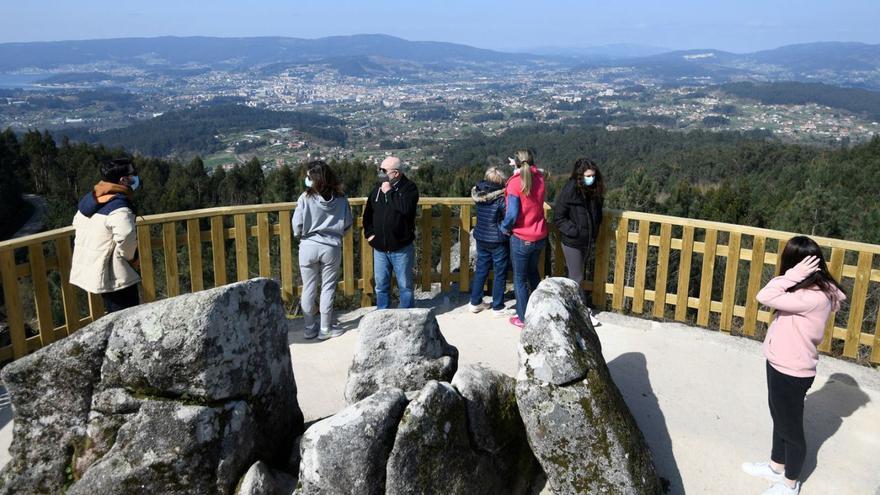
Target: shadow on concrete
630,373
824,411
295,328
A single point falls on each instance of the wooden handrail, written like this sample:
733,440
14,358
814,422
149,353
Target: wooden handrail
746,230
695,271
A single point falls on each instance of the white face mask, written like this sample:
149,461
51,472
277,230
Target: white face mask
135,182
308,182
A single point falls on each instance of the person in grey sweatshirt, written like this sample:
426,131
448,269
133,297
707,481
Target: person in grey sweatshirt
321,217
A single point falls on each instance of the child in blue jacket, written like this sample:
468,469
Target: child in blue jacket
492,244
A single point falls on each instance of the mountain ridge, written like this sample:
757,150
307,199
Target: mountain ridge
835,62
234,52
851,64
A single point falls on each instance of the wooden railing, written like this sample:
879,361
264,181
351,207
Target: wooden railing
694,271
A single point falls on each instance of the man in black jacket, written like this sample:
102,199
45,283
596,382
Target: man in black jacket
390,228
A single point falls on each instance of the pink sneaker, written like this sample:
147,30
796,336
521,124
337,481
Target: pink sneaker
514,320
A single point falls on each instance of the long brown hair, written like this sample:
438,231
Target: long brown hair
525,159
324,180
581,165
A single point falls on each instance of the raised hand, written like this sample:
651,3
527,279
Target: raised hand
804,269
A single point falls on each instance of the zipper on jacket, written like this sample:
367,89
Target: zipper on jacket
384,221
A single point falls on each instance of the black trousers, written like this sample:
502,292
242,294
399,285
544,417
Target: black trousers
121,299
786,397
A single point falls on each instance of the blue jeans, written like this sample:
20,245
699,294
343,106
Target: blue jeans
490,256
401,262
524,256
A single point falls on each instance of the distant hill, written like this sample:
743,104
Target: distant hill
376,55
614,51
193,131
841,63
685,64
359,66
859,101
236,53
834,56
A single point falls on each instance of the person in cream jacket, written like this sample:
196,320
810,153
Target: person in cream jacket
105,246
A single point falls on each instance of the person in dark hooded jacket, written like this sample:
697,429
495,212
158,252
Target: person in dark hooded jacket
492,244
577,214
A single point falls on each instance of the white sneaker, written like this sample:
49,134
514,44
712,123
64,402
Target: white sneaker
762,470
476,308
329,333
782,489
503,312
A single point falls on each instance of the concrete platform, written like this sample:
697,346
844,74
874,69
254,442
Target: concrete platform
698,396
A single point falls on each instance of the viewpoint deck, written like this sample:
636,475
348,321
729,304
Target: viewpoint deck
698,396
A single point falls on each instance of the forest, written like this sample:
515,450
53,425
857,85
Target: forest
741,178
194,131
859,101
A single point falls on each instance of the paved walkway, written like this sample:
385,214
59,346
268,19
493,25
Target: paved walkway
698,396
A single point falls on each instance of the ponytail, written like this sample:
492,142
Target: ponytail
525,159
525,177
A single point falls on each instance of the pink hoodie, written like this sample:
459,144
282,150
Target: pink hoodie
790,345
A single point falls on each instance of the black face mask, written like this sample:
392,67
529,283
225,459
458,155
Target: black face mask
383,177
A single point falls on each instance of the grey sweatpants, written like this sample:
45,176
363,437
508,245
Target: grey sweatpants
314,260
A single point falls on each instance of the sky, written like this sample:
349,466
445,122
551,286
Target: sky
733,25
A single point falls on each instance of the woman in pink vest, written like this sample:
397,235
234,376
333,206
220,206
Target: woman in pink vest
524,221
803,299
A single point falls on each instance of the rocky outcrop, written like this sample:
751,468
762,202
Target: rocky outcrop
346,453
399,348
432,448
51,395
435,449
460,439
496,428
165,447
260,479
490,402
578,425
177,396
455,256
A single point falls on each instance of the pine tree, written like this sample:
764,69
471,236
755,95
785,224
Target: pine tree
41,152
281,185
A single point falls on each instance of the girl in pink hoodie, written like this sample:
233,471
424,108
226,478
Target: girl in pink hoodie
803,299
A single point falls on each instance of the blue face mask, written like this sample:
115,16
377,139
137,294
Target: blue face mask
588,181
308,182
135,182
